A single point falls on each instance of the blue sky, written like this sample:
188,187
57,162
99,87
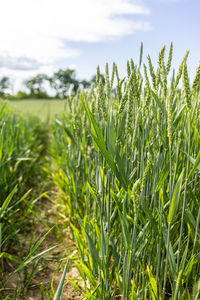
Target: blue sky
41,36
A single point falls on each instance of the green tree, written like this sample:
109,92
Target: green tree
4,86
64,82
36,86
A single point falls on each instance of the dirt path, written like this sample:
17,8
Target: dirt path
48,270
50,273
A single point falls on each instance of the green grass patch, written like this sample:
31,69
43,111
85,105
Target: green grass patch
44,109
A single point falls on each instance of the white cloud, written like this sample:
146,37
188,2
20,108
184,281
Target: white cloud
34,33
19,63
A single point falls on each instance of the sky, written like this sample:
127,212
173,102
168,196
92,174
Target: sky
42,36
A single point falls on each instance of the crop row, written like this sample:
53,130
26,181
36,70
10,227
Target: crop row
127,162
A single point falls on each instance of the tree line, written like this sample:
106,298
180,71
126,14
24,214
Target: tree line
42,86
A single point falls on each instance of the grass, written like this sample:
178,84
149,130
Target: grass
44,109
23,149
27,232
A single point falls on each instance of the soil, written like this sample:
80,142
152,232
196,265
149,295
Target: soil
51,265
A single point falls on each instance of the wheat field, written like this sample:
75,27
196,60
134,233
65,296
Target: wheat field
125,160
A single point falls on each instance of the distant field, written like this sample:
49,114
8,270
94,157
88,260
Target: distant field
44,109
